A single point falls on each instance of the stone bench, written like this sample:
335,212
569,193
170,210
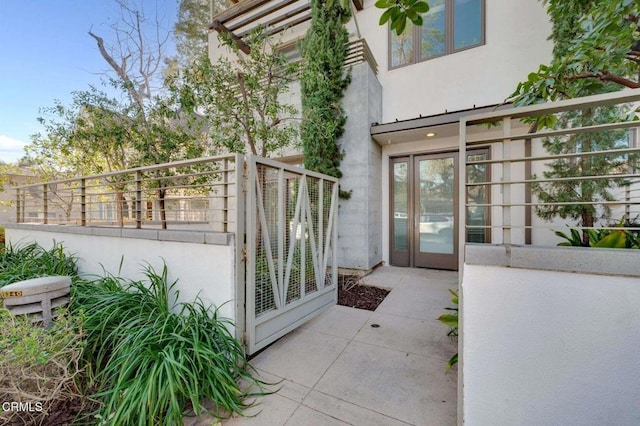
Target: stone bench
36,298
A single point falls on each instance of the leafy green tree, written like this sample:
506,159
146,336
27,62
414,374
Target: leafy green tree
191,28
577,185
240,101
595,51
596,47
323,82
94,132
161,131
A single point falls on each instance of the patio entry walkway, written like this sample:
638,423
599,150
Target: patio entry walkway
339,370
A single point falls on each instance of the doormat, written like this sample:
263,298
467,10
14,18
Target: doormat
355,295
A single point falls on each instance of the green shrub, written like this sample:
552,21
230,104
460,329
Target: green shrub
603,238
152,358
39,366
18,263
1,238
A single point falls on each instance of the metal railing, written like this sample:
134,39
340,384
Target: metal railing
199,193
534,182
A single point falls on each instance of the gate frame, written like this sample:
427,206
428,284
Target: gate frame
295,314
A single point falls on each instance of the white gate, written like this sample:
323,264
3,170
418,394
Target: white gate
292,268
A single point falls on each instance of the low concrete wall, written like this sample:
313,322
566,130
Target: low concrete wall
202,262
543,347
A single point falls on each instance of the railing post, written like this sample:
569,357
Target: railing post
18,205
45,201
225,194
83,202
138,199
506,177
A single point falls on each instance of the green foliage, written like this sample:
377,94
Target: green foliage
451,320
151,357
577,184
596,47
19,263
323,82
602,238
39,365
93,134
190,28
398,11
240,101
595,51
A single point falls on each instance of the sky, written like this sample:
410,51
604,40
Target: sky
46,53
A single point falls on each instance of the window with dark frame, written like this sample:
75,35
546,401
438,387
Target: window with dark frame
449,26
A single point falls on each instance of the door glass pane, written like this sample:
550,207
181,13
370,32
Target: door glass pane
402,47
400,206
467,23
435,205
477,216
433,32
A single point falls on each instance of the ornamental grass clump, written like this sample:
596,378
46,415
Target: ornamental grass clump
152,359
19,263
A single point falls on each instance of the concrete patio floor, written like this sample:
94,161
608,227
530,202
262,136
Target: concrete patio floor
337,369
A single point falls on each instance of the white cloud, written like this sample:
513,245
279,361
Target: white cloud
11,149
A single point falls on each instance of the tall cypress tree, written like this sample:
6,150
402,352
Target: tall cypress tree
323,82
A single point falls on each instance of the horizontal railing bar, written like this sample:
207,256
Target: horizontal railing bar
554,157
564,179
560,132
563,203
275,165
610,228
182,163
621,97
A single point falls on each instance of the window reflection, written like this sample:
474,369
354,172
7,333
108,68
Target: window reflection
400,206
433,30
449,26
402,47
467,30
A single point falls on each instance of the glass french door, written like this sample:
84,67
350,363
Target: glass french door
424,205
435,204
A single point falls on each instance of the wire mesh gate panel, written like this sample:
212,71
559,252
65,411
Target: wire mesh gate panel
292,268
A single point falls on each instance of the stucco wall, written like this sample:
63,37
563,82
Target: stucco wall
201,268
516,44
547,347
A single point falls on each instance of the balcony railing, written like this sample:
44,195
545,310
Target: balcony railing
534,183
192,194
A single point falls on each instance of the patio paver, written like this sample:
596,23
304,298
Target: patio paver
338,370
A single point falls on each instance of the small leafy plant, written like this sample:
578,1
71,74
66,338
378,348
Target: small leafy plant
39,367
452,321
152,358
601,238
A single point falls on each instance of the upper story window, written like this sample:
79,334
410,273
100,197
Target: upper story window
449,26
